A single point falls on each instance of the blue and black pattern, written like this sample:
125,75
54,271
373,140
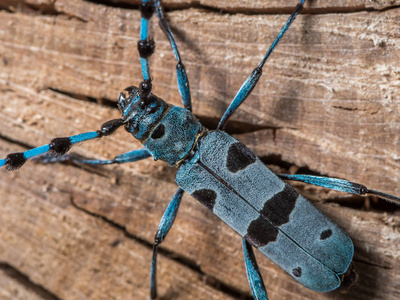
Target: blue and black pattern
59,146
222,174
273,216
146,44
174,136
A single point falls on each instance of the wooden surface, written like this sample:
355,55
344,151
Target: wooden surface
328,103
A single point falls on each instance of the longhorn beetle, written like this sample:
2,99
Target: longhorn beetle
223,174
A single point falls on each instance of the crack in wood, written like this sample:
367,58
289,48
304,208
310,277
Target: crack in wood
184,261
371,264
50,8
42,9
86,98
15,141
232,127
23,279
345,108
169,7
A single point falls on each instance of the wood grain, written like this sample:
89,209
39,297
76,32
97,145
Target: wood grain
328,102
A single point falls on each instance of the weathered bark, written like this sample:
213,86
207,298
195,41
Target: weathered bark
327,102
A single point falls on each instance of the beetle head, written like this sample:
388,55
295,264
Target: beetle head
140,111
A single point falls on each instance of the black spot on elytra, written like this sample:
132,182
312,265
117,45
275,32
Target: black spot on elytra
325,234
206,197
261,232
15,161
297,272
280,206
239,157
158,132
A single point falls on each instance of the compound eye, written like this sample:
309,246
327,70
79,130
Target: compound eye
127,127
132,127
142,104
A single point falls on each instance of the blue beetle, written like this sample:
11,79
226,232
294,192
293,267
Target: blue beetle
224,175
